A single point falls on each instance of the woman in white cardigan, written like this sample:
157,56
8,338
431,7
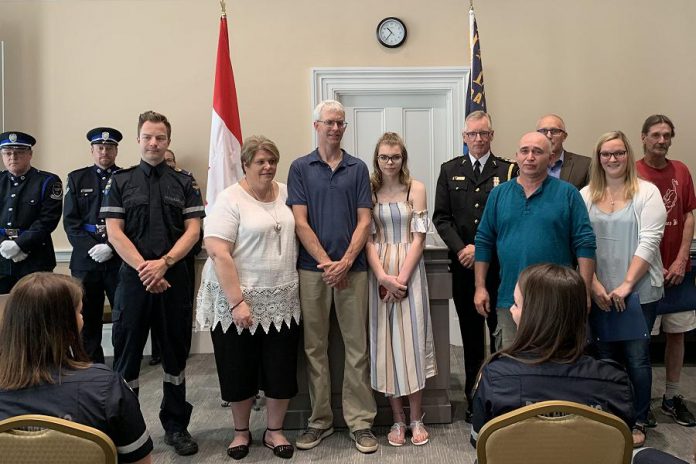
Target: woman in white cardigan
628,218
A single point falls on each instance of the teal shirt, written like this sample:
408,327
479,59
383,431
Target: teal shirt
551,226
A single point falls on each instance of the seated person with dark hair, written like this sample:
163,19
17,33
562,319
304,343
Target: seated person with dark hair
546,360
45,370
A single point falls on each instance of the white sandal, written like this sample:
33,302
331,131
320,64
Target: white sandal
400,429
418,425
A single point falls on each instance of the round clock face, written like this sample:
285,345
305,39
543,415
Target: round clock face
391,32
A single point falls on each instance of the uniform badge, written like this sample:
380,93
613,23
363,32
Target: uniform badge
57,191
458,178
105,135
13,137
194,184
496,181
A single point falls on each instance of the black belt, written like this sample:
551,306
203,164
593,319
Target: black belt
95,228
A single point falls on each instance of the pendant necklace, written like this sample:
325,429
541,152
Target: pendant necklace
273,216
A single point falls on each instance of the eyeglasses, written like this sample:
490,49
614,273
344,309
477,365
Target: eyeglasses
552,130
331,123
485,135
392,158
16,151
618,155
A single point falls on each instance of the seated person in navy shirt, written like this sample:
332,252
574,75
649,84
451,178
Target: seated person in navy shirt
44,368
546,360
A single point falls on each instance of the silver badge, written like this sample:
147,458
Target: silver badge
13,137
496,181
105,135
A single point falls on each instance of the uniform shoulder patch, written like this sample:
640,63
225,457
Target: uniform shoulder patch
57,191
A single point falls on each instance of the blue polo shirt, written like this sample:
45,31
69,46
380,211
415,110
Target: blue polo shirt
332,199
551,226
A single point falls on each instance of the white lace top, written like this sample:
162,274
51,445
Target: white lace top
264,254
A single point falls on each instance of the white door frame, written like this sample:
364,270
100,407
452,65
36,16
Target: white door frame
450,81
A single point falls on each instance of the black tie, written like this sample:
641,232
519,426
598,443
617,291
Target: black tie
158,233
477,169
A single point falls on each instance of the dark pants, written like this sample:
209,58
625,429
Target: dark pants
471,322
137,310
635,356
190,264
6,283
96,284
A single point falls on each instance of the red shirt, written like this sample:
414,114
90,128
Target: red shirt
677,189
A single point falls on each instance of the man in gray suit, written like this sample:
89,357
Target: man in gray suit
565,165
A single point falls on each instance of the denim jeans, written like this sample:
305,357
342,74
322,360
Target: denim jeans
635,356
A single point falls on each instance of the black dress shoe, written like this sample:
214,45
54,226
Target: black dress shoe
183,443
282,451
154,360
240,451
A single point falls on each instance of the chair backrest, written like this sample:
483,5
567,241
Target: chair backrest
555,432
35,438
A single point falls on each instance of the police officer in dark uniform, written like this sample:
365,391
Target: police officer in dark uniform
93,260
462,190
153,215
30,205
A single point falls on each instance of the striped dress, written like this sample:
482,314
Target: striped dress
401,337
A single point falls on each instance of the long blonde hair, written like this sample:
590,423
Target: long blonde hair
598,179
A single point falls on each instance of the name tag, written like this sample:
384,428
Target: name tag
458,178
86,190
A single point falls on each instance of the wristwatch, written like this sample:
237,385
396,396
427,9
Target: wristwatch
168,260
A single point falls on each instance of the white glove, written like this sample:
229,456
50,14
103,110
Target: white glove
9,249
101,252
21,256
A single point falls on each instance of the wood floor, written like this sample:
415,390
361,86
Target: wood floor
211,425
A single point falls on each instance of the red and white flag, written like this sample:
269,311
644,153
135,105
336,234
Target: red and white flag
224,165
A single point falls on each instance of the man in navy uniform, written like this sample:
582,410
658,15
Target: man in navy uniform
460,196
93,260
153,219
30,205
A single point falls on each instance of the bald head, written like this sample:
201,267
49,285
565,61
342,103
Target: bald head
553,127
533,156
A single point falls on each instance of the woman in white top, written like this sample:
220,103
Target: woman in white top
249,296
628,218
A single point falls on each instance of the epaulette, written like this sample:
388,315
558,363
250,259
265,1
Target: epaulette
455,160
183,171
129,168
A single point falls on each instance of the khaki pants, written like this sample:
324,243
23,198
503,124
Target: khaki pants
506,330
359,408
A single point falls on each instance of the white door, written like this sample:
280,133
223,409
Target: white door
421,121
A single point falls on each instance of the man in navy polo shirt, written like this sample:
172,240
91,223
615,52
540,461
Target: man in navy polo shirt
329,192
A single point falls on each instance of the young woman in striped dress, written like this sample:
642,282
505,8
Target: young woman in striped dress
401,340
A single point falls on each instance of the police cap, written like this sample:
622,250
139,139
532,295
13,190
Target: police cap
104,135
16,139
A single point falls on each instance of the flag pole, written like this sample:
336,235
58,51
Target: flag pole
224,13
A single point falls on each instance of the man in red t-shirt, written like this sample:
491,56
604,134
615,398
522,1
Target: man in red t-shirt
677,189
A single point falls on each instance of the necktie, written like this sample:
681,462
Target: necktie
158,234
477,169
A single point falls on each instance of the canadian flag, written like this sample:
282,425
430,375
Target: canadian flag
224,165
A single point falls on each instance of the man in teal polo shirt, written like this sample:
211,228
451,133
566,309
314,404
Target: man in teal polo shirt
329,192
533,219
